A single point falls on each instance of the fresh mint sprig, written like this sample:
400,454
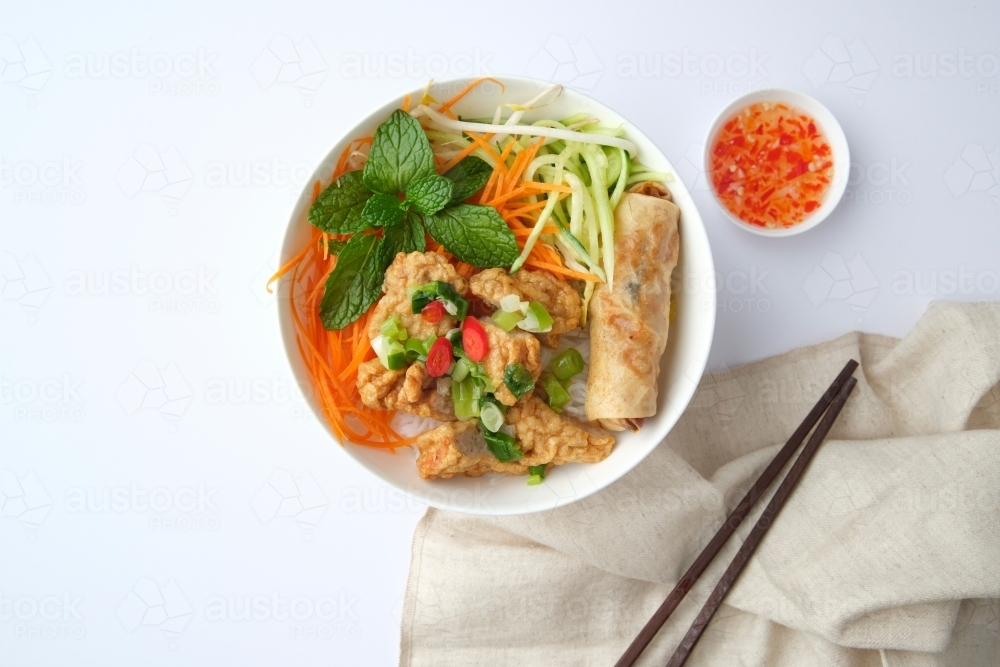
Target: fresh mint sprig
399,192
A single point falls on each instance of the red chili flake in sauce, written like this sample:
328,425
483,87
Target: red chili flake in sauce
771,167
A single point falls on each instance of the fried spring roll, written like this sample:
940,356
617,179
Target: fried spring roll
629,323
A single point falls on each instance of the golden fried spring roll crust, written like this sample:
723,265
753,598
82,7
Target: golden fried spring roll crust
629,323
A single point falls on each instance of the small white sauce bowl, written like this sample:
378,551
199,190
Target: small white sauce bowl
827,125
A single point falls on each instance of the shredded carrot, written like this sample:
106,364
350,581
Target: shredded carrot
465,91
563,270
552,187
524,231
406,103
528,208
482,142
515,199
332,359
466,152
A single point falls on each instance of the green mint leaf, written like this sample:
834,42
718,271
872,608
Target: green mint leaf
407,237
333,246
429,194
469,175
355,283
400,153
475,234
383,210
337,210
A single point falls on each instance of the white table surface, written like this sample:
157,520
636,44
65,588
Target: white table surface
140,358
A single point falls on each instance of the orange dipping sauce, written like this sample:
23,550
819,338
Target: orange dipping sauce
771,166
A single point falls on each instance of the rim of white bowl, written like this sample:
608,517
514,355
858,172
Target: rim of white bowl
680,393
830,127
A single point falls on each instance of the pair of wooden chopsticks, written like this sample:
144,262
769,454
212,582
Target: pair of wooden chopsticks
828,407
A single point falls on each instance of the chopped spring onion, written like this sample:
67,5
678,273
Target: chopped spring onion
483,381
511,303
416,349
390,352
536,474
503,446
463,396
454,336
456,305
558,396
491,416
461,370
393,328
518,379
537,319
507,320
567,364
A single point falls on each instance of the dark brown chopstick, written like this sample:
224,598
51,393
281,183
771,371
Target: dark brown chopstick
734,520
760,528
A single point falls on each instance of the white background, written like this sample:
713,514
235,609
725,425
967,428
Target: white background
167,391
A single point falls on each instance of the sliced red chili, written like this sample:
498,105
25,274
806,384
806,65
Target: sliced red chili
439,358
474,339
433,312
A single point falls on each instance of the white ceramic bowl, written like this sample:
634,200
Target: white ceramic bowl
683,362
827,124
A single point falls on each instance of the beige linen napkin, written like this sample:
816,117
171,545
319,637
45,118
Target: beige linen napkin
888,552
